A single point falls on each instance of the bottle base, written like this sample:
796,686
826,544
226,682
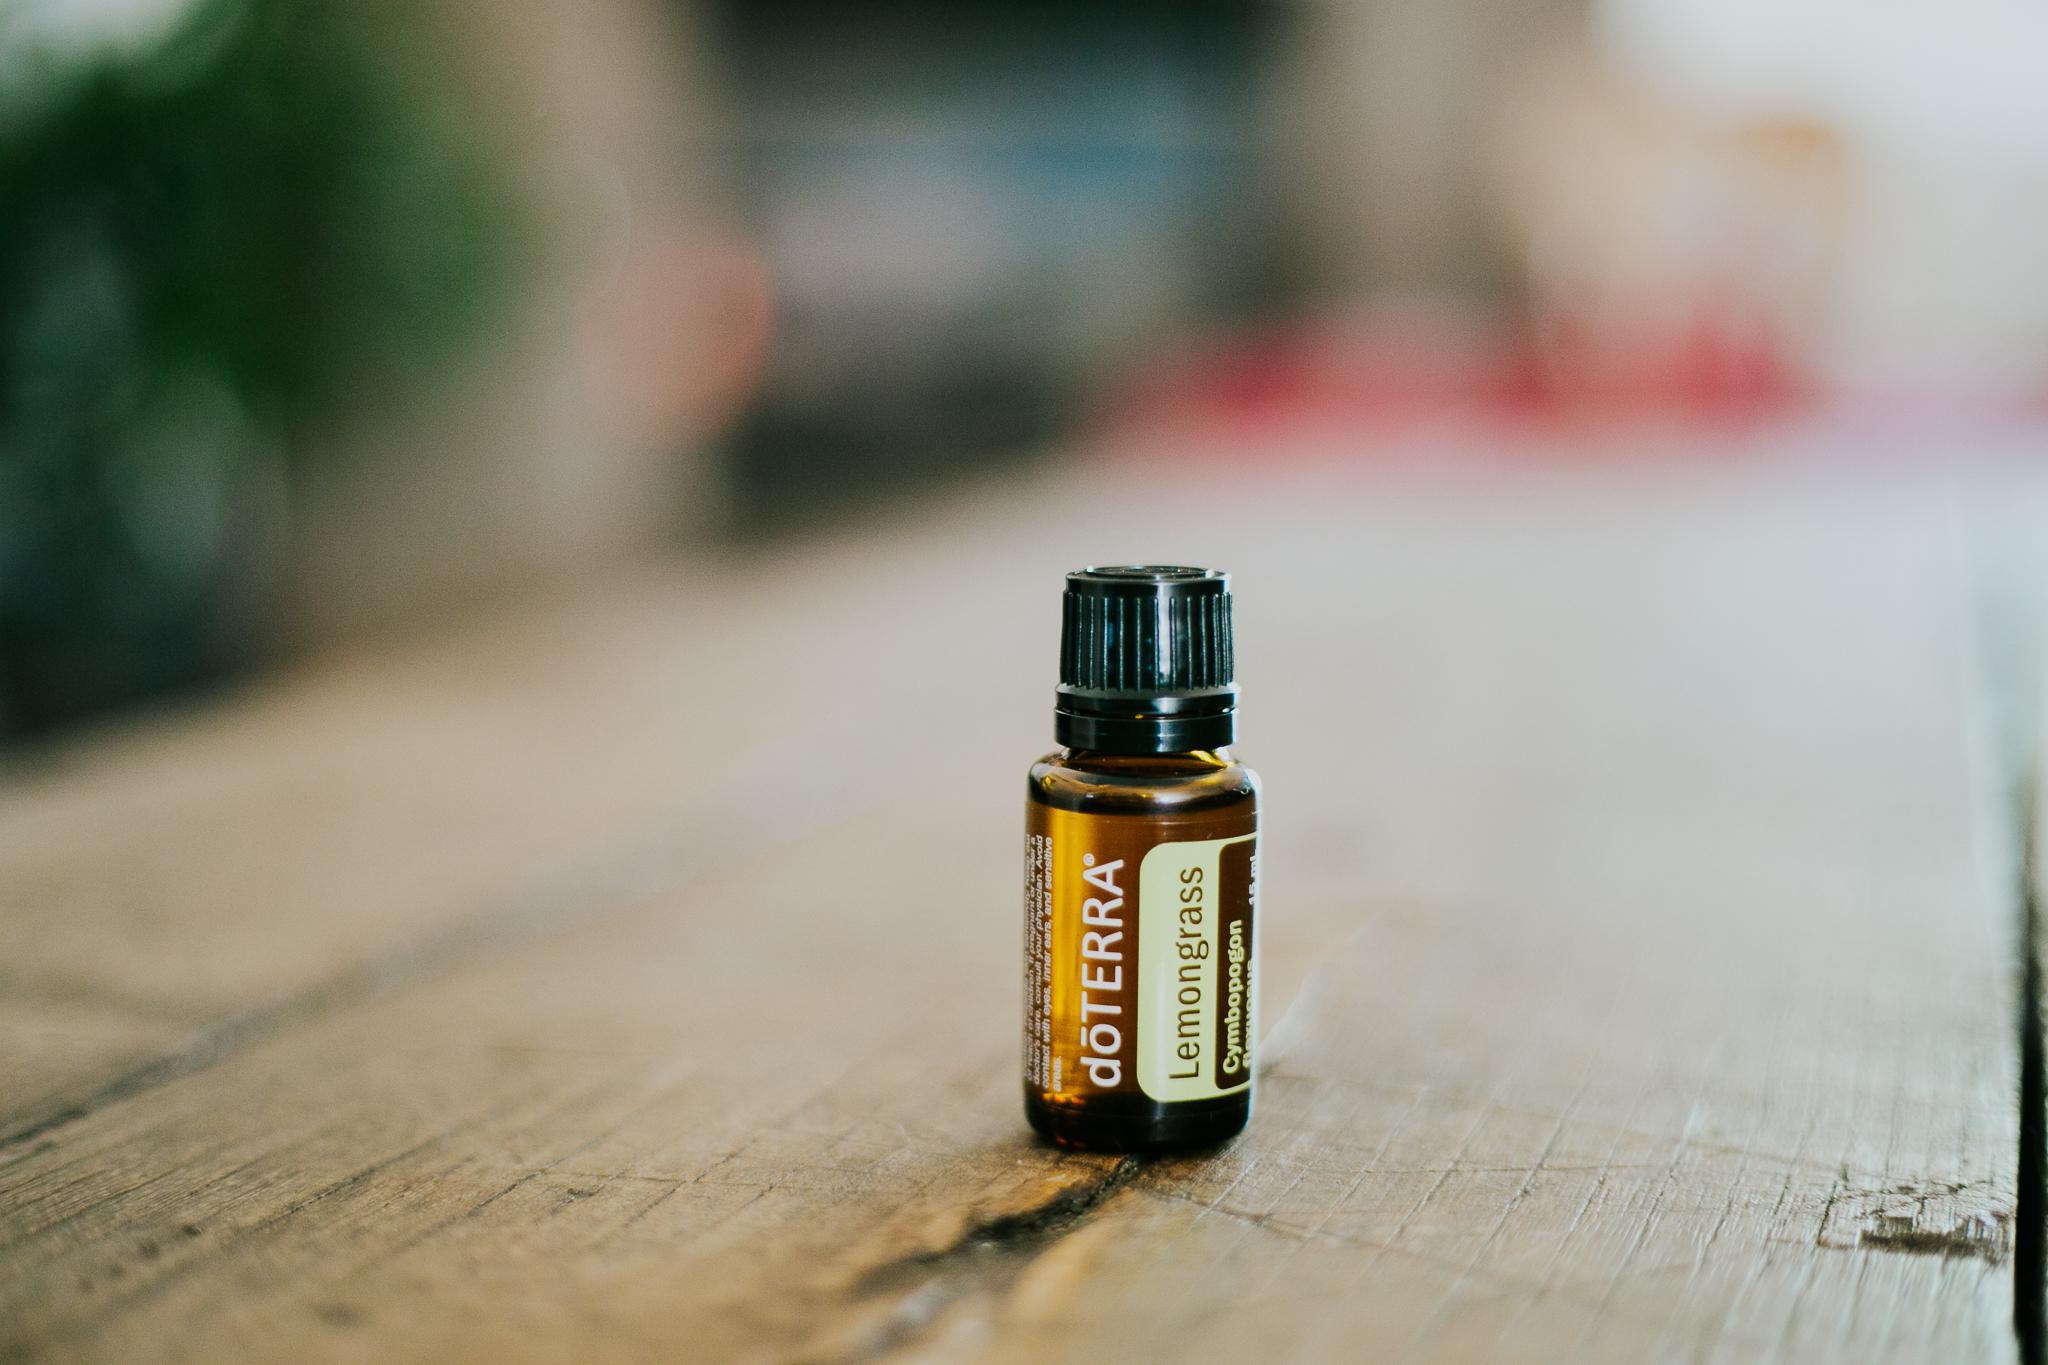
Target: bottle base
1135,1123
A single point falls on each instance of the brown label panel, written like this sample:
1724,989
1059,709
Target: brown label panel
1238,901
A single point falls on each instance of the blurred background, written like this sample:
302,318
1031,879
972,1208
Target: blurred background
326,320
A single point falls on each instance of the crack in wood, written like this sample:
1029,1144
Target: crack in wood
986,1257
2030,1219
1015,1233
2009,660
1925,1218
1986,1235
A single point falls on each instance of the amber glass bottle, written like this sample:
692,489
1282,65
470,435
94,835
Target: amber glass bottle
1141,873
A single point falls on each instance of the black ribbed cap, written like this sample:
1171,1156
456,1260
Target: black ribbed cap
1145,660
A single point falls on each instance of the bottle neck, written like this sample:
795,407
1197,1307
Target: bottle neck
1186,762
1139,725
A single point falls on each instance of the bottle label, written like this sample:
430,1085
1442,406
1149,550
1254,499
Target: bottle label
1140,943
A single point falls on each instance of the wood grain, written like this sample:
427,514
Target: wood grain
625,978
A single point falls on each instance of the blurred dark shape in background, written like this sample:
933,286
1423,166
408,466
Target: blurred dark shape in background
976,211
259,222
319,320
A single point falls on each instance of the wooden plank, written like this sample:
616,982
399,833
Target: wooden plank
170,888
1640,985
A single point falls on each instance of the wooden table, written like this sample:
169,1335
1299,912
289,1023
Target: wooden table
635,974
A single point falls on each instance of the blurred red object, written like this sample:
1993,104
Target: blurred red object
1411,368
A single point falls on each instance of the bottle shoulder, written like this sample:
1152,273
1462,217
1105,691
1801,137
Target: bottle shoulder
1141,784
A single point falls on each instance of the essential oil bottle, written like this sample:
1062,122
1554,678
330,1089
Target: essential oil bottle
1141,873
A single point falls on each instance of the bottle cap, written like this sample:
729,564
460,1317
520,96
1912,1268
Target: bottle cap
1146,665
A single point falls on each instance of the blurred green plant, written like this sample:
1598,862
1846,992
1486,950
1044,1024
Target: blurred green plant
213,244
